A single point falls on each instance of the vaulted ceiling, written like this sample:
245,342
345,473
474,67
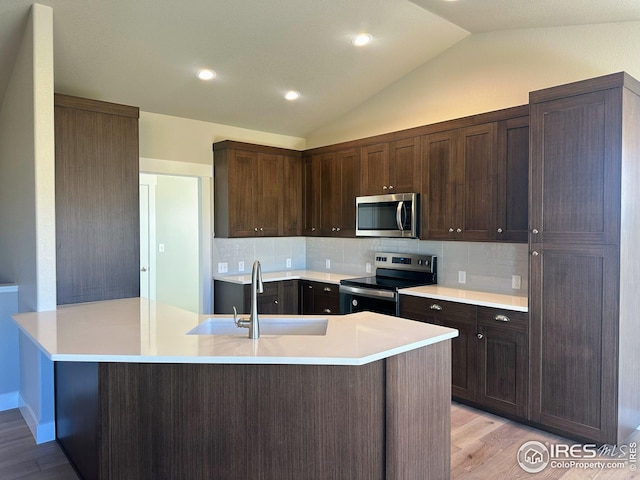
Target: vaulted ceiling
147,52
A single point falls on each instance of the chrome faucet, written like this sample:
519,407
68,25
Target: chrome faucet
252,323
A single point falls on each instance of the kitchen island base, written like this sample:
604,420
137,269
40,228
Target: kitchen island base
388,419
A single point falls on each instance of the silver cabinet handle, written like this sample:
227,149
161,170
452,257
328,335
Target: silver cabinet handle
458,230
534,253
326,310
143,269
384,187
261,229
309,286
313,229
535,231
499,230
435,306
480,336
333,229
275,301
450,230
337,229
327,289
390,187
502,318
255,229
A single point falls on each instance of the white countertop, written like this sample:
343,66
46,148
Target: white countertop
495,300
437,292
140,330
312,275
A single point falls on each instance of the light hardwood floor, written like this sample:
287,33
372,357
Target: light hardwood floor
483,447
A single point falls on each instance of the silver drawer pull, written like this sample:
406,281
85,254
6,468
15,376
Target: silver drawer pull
327,289
435,306
275,301
327,310
502,318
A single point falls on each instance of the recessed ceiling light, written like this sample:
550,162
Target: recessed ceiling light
361,39
292,95
206,74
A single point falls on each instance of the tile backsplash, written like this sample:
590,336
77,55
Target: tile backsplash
489,266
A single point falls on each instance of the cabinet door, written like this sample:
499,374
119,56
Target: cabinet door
311,196
96,201
306,297
575,169
330,188
404,166
574,315
503,361
268,202
243,177
463,348
476,212
348,164
289,297
292,196
327,299
440,185
375,169
513,180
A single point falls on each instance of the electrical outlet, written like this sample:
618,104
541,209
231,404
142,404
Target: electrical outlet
462,276
223,267
241,266
516,282
327,264
161,247
288,262
367,267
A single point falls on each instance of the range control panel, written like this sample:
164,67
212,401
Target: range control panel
406,261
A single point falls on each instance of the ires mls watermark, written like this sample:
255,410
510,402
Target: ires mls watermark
534,456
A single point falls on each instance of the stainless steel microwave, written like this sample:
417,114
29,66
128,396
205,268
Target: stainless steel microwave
394,215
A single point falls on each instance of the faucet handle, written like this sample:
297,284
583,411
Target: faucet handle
240,322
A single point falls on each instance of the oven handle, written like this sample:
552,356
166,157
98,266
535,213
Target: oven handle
369,292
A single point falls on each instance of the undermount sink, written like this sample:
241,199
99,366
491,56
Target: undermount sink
268,326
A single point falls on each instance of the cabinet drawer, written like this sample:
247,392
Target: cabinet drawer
436,311
505,319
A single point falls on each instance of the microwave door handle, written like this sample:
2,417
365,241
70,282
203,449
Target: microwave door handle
399,210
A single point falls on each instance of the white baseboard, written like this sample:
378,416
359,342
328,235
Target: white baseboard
8,401
42,432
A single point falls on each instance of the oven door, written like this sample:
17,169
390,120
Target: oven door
359,299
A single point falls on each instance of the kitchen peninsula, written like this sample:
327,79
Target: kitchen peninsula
137,397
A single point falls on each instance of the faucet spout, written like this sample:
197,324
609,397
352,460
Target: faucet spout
256,287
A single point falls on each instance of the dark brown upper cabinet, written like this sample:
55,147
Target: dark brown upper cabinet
391,167
460,184
97,200
251,194
330,186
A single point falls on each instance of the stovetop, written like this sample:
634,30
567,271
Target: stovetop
398,270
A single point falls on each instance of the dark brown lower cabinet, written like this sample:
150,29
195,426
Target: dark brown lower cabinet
277,297
490,356
388,419
318,298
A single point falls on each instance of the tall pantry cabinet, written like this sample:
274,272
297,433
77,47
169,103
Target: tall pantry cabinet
97,200
585,286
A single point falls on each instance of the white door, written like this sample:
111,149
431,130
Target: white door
144,242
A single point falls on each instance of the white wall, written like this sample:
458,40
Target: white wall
9,355
487,72
27,205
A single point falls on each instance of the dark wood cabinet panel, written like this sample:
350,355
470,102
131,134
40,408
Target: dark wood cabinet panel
276,298
574,311
460,180
583,284
513,180
405,168
463,348
251,197
97,201
576,168
339,184
441,184
375,169
503,361
318,298
311,196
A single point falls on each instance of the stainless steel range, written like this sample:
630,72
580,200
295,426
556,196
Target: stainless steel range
394,271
